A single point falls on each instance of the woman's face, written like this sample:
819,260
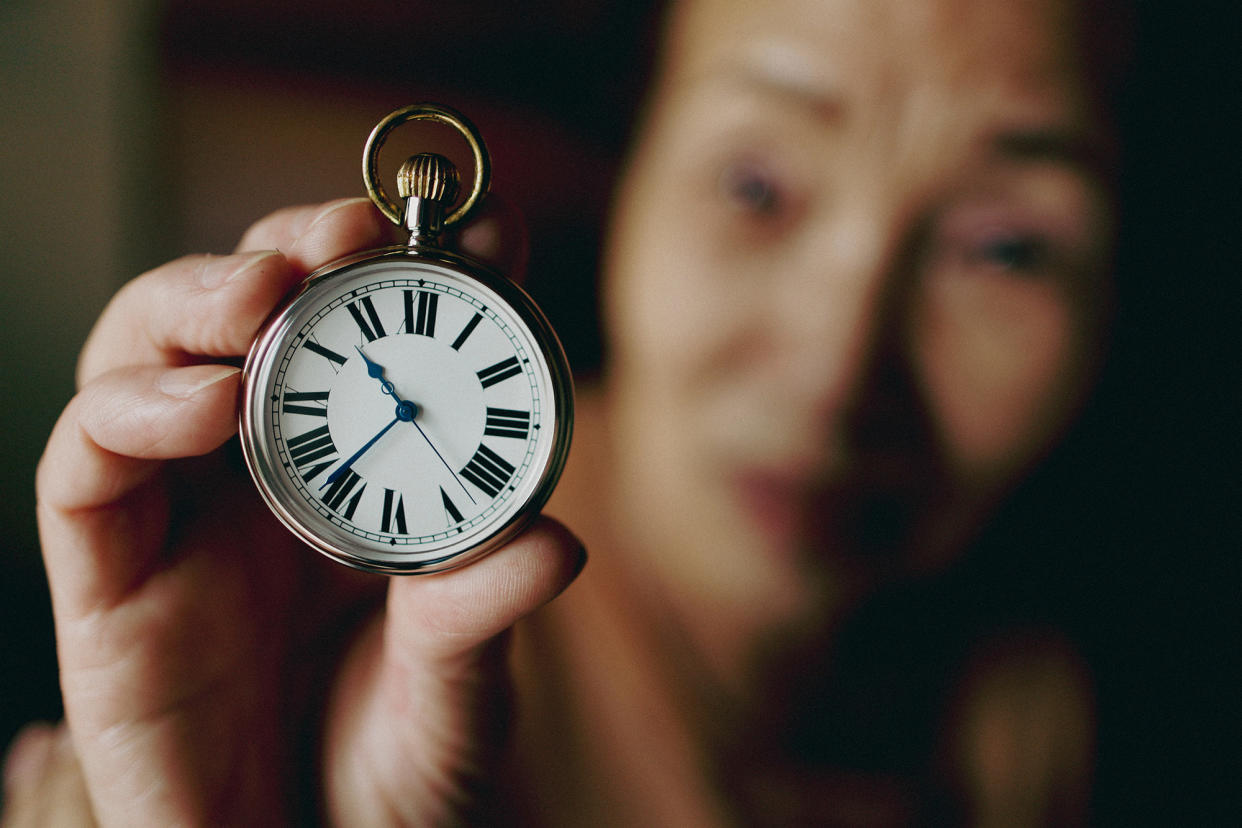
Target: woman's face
855,282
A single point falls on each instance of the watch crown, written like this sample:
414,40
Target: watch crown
428,176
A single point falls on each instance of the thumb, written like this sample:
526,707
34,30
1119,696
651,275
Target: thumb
419,719
444,620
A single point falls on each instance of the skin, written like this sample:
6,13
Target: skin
854,290
200,645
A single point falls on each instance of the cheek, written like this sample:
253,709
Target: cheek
1002,363
669,320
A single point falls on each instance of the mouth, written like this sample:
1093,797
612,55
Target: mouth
777,504
872,514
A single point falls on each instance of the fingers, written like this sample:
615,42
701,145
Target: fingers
212,306
177,316
425,696
445,619
197,306
43,783
495,234
98,538
312,236
28,755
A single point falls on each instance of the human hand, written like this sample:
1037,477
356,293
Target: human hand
214,669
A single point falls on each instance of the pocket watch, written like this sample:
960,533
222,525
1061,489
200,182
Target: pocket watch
408,409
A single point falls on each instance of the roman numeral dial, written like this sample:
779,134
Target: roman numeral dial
501,371
408,413
310,403
393,519
344,493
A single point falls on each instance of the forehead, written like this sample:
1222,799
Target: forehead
1026,51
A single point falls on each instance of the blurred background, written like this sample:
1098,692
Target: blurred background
134,131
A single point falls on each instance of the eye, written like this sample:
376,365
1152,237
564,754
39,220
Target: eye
1020,255
751,188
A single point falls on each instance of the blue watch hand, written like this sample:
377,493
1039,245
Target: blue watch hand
344,467
376,370
405,411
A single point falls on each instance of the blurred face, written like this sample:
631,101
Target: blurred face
854,284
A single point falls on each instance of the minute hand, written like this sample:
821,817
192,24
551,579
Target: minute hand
344,467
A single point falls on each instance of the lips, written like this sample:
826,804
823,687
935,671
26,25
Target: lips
777,504
870,511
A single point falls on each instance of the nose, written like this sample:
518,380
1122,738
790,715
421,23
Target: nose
838,305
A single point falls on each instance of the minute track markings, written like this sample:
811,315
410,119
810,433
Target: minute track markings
410,307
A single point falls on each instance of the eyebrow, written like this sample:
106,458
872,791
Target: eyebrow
1080,150
787,80
789,76
1085,151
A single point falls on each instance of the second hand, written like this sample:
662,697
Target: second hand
442,460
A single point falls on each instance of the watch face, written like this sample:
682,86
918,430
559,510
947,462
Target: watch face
402,417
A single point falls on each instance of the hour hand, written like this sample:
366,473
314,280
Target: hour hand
376,370
373,368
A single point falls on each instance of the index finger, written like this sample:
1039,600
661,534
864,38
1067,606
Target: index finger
313,235
495,233
211,306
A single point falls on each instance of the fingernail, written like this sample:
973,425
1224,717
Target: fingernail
328,210
184,383
219,271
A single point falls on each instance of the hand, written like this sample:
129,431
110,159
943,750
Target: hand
216,671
